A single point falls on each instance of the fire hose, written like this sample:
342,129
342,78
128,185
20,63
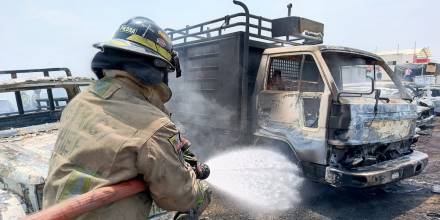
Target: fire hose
76,206
94,199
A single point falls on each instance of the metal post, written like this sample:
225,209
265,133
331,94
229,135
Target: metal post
259,26
18,96
49,91
208,34
289,9
289,12
186,33
68,73
244,69
50,97
19,102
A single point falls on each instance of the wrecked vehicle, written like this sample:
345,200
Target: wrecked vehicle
432,94
425,107
28,131
30,109
425,116
269,82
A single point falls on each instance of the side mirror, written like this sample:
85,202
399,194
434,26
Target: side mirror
372,85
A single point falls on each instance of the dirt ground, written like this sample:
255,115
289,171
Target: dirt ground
409,199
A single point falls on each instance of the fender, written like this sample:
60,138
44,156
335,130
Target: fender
260,133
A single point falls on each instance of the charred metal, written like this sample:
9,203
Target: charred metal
325,106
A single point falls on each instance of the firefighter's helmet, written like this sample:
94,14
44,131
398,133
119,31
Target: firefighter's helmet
143,37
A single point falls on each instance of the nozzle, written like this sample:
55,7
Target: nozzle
202,171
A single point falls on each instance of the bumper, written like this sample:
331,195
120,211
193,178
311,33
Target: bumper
425,121
378,174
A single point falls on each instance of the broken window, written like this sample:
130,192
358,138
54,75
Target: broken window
289,73
311,80
299,73
29,98
311,111
38,99
355,73
8,104
60,98
284,73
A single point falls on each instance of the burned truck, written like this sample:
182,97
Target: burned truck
32,101
250,80
31,104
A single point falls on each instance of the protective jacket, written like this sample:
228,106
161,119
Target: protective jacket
117,130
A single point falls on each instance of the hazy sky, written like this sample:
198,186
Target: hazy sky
38,34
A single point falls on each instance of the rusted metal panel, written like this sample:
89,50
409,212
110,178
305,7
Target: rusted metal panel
278,107
280,117
43,82
391,123
24,157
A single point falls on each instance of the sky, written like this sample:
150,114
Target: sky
49,33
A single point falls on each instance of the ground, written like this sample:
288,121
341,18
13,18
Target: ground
413,198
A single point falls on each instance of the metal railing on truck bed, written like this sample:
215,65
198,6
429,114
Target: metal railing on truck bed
258,28
45,73
220,60
36,96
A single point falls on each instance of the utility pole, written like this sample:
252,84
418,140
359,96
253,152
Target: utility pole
414,55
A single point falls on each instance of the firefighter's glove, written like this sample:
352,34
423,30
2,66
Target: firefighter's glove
202,171
190,158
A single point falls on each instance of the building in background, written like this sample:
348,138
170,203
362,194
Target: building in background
413,65
414,56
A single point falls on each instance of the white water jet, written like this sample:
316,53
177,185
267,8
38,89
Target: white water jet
259,178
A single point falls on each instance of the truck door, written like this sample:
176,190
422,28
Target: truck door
293,107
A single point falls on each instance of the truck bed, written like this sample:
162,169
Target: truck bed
211,99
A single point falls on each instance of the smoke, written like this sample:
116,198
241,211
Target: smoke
206,109
200,118
260,179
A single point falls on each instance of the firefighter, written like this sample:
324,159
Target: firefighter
118,129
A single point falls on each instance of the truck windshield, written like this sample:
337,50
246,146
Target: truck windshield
353,74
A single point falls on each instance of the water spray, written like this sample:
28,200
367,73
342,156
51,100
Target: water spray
258,178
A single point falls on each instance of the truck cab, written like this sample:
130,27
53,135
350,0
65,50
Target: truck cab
327,104
250,80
